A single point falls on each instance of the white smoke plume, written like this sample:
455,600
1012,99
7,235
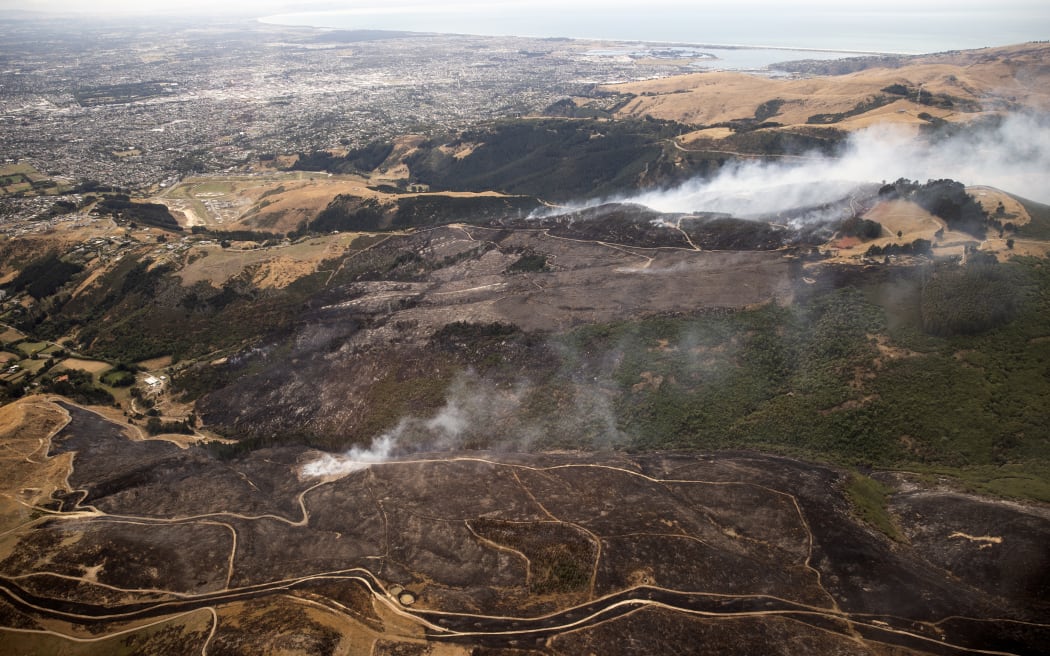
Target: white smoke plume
1013,156
356,459
472,408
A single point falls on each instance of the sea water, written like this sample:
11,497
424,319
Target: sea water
849,30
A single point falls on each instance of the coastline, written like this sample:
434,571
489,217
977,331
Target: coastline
846,33
850,52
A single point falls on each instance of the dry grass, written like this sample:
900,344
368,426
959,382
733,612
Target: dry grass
707,133
11,335
156,363
990,197
1014,75
273,267
912,221
90,366
27,476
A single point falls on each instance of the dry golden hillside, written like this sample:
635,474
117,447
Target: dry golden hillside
953,86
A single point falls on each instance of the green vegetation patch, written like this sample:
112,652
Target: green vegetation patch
364,159
117,94
561,557
862,107
118,378
969,299
529,263
1039,226
44,276
153,214
870,500
76,385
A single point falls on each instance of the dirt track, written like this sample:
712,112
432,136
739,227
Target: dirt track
720,537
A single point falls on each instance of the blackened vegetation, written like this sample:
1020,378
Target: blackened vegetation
346,213
462,331
351,213
621,223
727,233
555,159
637,225
154,214
561,557
45,276
946,199
434,210
500,351
227,236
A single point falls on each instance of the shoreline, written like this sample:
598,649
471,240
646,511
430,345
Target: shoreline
849,52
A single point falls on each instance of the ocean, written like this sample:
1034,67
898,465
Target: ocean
841,31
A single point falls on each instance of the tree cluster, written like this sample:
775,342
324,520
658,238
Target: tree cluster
969,299
946,199
43,277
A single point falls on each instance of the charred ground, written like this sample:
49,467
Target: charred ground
534,554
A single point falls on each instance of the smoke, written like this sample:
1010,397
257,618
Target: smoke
480,414
1013,155
336,466
475,415
443,431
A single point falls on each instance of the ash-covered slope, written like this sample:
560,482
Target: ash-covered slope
543,554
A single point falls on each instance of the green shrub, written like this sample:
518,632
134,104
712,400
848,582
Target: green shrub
869,499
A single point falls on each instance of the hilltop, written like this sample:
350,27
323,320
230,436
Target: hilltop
914,91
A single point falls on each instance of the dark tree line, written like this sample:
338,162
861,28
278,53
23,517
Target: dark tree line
43,277
946,199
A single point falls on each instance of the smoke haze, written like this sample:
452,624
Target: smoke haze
479,414
1013,156
474,414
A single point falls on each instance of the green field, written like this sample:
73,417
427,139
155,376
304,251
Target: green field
20,178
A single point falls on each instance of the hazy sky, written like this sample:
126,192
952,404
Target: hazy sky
905,26
262,7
